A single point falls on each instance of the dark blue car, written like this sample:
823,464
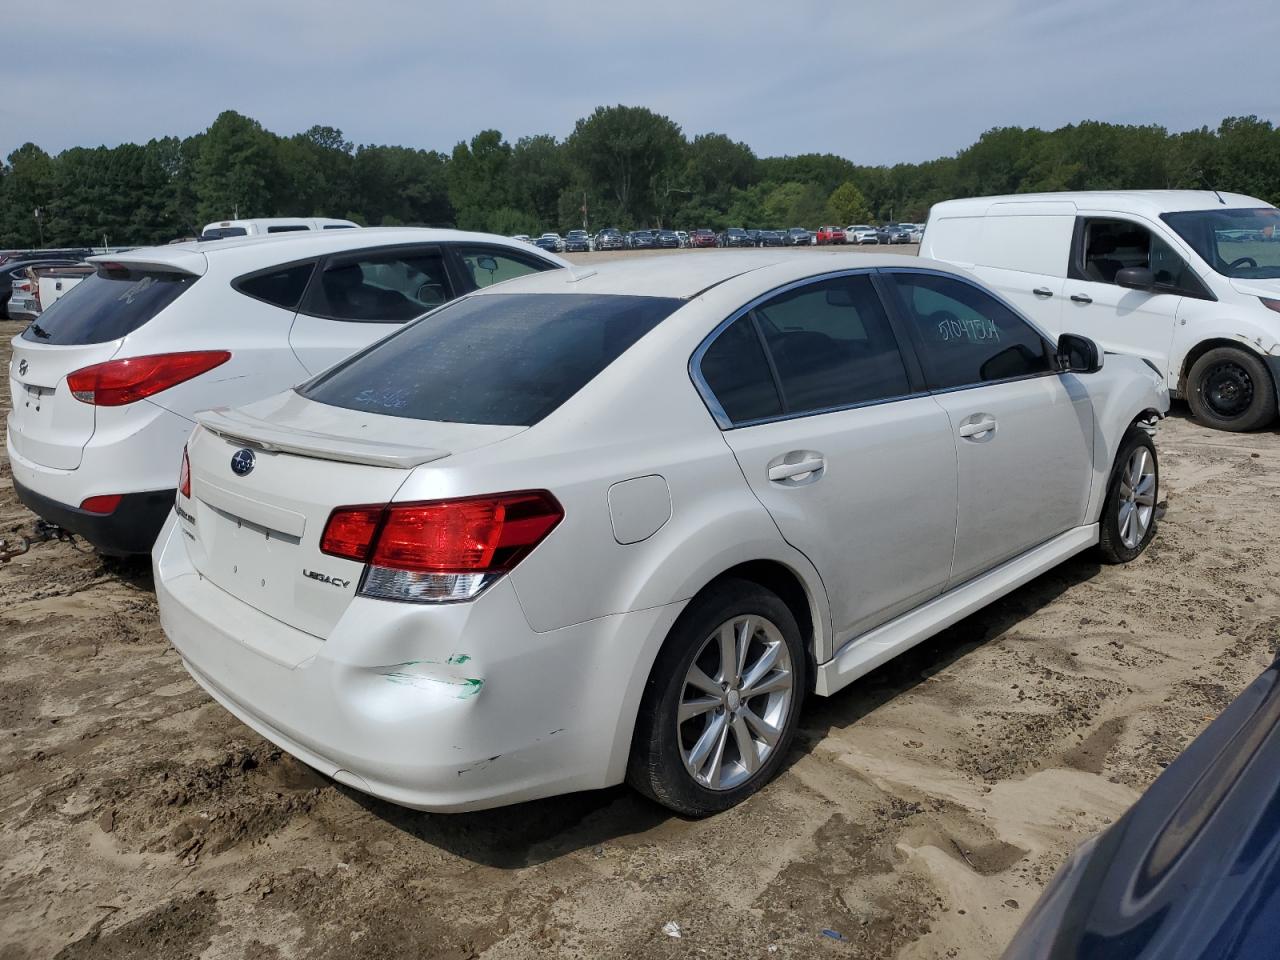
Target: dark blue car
1192,870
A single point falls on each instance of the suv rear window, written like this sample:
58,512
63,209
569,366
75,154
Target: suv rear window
107,305
506,359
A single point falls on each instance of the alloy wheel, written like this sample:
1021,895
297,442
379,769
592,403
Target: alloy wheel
735,702
1137,501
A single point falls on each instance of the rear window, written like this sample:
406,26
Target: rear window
107,305
506,359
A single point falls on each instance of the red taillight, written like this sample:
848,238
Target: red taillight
1270,304
349,532
184,475
441,549
118,382
103,505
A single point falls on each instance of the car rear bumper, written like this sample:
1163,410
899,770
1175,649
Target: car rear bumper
443,707
129,529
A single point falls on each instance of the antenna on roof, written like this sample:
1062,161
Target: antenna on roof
1210,186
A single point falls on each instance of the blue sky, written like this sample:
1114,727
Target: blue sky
878,82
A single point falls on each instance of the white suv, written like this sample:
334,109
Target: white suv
584,527
105,384
1188,279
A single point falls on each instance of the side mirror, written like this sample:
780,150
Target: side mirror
487,264
1135,278
1077,354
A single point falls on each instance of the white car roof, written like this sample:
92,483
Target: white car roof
685,276
193,256
1149,202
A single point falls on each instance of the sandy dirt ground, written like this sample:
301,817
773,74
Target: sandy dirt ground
920,814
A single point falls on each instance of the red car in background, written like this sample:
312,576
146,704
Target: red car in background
702,238
830,235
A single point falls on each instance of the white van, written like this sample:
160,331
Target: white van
1187,279
221,229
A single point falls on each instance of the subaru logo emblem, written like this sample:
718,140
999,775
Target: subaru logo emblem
242,462
22,367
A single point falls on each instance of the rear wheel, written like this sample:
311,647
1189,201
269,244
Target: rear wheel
720,708
1128,521
1230,389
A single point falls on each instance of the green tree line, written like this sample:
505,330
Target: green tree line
621,166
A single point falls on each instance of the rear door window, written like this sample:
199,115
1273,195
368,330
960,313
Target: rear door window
507,359
380,286
966,336
485,266
735,370
108,305
832,345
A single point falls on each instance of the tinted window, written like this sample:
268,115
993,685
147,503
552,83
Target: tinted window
489,265
282,287
832,345
967,336
218,233
380,287
294,228
338,226
497,359
735,369
107,305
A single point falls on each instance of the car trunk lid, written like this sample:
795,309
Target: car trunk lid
256,532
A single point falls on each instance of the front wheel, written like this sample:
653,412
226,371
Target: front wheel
1128,521
1230,389
721,705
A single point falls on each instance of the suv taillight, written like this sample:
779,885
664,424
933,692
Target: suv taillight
440,549
117,382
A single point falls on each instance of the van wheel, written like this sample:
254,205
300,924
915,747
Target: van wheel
1128,521
721,704
1230,389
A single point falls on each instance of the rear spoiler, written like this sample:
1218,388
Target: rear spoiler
239,427
159,259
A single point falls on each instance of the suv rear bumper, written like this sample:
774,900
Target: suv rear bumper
131,529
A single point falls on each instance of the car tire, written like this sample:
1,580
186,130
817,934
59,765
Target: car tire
722,741
1130,513
1231,389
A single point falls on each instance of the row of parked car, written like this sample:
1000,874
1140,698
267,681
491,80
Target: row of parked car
366,464
580,241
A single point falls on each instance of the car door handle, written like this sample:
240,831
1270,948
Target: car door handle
809,468
1081,298
1042,292
978,427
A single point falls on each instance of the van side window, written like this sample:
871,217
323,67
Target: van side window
966,337
1105,247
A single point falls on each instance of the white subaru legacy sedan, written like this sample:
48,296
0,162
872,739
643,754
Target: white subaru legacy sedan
600,525
106,382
